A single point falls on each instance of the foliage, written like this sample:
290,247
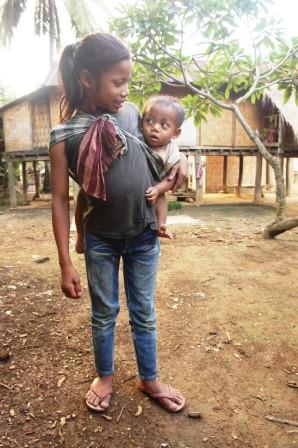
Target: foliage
46,18
220,65
5,97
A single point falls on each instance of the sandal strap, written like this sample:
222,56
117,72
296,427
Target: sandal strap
104,395
170,395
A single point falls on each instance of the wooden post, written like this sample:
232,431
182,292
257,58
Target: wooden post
225,174
289,177
199,185
258,182
24,181
240,176
36,180
11,184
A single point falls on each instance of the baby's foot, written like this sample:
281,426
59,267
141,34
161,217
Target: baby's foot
79,247
163,232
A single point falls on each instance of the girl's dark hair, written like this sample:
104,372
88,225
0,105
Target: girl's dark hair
95,53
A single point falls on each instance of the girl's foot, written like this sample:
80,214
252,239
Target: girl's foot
99,395
170,399
79,247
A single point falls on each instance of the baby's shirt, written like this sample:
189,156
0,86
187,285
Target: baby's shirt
169,155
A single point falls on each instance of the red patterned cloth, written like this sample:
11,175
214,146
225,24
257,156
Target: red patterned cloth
101,144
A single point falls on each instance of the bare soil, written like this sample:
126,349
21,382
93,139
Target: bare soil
227,316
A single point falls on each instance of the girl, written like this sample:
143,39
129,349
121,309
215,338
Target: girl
95,74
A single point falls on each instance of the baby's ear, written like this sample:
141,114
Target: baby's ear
177,133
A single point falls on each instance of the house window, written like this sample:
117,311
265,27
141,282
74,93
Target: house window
270,130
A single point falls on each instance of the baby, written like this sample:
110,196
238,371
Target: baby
161,123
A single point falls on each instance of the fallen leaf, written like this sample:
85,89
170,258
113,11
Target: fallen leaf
62,421
139,411
107,417
61,381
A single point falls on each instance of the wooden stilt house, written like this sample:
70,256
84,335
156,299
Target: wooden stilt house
232,162
26,125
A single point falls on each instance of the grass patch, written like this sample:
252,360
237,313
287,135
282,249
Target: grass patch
174,206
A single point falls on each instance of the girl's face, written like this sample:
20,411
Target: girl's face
111,91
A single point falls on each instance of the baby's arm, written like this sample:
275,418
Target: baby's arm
160,188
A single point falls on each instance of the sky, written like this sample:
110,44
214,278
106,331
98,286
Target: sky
24,65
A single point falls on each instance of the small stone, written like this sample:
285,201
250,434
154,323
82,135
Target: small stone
194,414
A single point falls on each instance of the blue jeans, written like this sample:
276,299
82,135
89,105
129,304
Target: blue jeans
140,259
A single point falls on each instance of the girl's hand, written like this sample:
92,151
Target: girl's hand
179,172
152,194
70,282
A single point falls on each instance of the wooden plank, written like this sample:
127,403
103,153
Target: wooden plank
289,177
24,182
11,184
240,176
225,174
36,180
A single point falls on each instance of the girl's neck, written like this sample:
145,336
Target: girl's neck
88,106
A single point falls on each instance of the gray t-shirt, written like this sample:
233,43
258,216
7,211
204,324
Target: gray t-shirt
126,212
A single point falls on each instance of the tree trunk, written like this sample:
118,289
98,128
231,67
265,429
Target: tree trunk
277,228
258,181
280,224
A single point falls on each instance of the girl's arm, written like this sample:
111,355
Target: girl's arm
178,174
70,280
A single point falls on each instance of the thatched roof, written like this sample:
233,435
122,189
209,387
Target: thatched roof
288,111
50,83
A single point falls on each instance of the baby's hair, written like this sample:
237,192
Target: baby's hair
169,102
95,54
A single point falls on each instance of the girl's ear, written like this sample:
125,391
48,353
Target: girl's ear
177,133
86,79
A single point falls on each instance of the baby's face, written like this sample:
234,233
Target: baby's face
159,125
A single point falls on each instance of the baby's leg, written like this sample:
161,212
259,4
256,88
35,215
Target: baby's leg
79,211
161,213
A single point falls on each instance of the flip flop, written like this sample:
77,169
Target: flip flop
170,395
98,408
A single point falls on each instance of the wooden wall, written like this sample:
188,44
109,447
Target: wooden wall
217,131
226,130
41,123
214,173
17,125
54,107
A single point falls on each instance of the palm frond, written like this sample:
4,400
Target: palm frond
46,19
10,14
81,16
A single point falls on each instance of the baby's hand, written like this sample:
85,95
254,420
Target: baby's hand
152,194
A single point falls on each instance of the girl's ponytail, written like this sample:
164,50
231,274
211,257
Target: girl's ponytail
71,86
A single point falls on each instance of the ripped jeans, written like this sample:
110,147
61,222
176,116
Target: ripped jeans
140,260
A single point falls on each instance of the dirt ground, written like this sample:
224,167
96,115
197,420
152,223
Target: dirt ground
227,317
